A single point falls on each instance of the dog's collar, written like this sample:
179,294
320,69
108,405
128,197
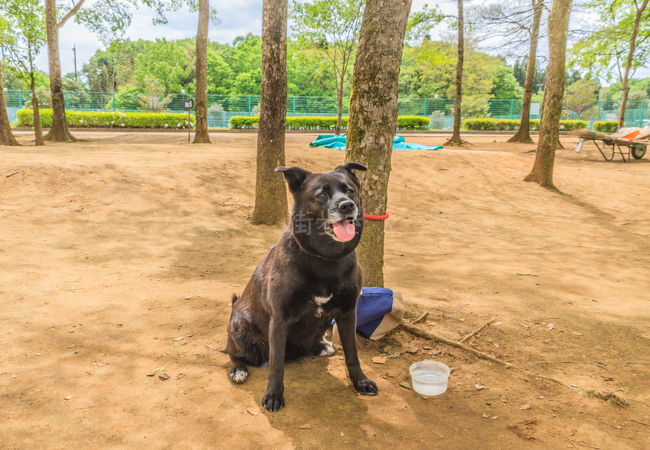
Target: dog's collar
308,252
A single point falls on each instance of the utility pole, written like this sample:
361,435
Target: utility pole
74,50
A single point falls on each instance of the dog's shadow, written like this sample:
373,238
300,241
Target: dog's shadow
322,407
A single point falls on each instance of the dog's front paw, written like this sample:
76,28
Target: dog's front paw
366,387
273,402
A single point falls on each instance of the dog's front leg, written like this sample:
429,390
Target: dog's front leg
274,397
346,324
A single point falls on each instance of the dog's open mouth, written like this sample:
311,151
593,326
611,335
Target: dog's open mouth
344,230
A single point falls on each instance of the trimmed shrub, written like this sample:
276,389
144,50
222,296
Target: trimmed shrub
606,126
325,122
94,119
570,125
512,124
413,122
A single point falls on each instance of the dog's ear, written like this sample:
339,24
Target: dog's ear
295,176
348,168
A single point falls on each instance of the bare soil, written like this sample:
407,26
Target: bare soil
119,255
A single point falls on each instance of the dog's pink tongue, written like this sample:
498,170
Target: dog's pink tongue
344,230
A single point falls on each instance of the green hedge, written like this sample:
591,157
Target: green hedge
325,122
606,126
512,124
93,119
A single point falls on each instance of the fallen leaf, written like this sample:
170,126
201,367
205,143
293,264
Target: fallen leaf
405,385
524,407
378,360
163,376
480,388
550,326
67,397
253,411
178,339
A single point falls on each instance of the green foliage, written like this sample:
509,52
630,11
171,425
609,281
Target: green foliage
475,105
580,98
325,122
94,119
166,64
603,52
429,70
505,84
24,34
512,124
606,126
421,22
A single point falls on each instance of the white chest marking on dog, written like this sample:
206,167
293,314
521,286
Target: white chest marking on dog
322,300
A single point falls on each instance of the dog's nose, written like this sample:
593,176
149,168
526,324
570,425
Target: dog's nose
346,206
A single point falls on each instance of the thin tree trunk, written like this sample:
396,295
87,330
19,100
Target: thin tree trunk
339,116
270,193
373,119
549,132
6,136
455,139
38,130
59,131
201,135
628,64
523,132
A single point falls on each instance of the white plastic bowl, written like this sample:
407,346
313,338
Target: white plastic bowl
429,377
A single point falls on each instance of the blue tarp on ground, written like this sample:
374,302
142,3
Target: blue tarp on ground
338,142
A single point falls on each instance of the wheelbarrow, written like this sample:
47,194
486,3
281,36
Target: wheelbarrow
626,141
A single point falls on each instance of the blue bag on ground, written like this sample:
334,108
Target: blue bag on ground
379,310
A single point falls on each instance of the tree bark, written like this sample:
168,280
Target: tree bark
373,119
628,64
201,135
38,129
270,193
339,106
59,131
6,136
549,131
523,131
455,139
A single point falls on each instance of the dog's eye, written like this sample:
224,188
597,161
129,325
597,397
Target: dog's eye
322,196
350,191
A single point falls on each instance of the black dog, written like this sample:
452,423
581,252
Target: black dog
309,277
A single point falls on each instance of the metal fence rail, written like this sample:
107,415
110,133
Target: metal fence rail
222,107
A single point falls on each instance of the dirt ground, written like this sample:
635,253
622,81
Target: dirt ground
119,255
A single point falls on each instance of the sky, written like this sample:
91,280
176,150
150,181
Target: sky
237,18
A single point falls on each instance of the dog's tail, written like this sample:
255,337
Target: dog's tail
238,374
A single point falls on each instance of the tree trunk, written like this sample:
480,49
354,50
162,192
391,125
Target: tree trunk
523,132
339,106
59,131
628,64
270,193
201,135
455,139
373,119
549,132
38,130
6,136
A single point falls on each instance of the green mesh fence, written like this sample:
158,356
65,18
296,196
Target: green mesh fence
222,107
